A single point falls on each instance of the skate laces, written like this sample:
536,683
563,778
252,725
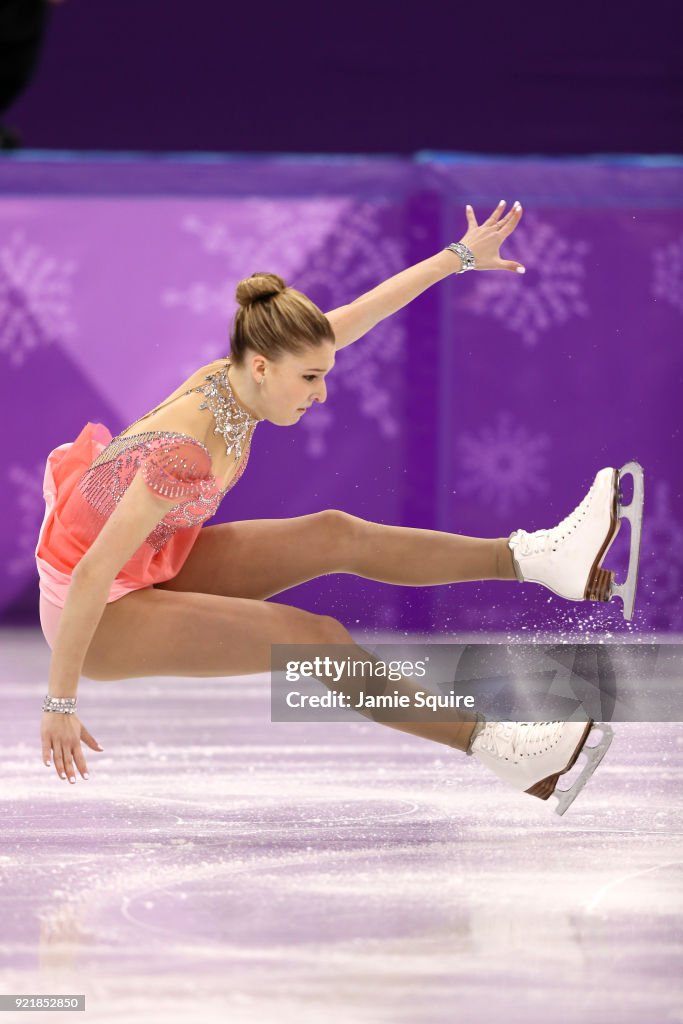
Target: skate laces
539,541
513,741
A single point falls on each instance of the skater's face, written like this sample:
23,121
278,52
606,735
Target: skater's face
293,383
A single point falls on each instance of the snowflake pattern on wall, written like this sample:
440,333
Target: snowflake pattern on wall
35,298
203,352
359,256
668,274
333,251
27,487
257,235
661,563
503,464
551,293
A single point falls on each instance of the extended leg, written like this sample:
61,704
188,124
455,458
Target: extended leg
412,557
151,633
260,558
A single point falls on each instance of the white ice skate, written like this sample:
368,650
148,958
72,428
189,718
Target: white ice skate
568,559
531,756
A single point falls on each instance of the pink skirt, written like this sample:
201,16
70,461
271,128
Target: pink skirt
70,525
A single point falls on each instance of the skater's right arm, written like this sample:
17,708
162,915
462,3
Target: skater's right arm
133,519
131,522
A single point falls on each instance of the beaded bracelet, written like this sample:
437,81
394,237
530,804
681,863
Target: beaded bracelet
467,257
65,705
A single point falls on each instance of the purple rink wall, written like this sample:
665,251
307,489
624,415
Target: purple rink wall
486,405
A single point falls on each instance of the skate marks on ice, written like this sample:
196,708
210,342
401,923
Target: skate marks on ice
222,866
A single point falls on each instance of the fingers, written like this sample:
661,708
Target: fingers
507,225
517,268
58,758
68,763
64,762
496,213
80,762
88,738
69,756
67,751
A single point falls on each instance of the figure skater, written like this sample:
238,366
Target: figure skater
132,584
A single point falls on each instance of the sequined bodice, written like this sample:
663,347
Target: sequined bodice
231,420
174,464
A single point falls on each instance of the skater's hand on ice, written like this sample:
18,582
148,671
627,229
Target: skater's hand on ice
486,239
62,734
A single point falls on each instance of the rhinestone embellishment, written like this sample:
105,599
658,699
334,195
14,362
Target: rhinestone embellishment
104,484
232,421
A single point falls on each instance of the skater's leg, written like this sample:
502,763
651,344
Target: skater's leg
153,633
412,557
260,558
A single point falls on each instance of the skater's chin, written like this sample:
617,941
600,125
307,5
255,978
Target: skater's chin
291,421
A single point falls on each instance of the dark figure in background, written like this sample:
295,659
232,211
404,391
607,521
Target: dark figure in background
22,30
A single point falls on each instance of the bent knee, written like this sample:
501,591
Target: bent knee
332,631
343,531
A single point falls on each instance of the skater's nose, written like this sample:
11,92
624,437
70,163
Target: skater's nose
320,394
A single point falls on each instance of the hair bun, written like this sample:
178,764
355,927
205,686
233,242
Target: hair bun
261,285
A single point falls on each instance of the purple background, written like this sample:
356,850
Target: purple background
487,405
359,77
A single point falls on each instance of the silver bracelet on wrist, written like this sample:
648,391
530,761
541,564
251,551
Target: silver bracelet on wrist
466,255
65,705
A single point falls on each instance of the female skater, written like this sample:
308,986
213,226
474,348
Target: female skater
133,585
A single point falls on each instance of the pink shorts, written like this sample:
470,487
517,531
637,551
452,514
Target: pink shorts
49,619
50,615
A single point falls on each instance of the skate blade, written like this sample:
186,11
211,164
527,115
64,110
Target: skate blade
599,585
634,513
594,754
546,787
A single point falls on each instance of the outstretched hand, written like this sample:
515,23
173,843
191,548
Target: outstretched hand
62,735
486,239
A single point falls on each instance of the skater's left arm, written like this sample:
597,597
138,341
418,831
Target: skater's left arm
352,321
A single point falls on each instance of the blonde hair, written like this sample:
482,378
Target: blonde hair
273,319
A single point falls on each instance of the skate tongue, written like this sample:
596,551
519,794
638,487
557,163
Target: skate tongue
536,734
513,741
531,543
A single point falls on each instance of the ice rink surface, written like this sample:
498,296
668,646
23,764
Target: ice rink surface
221,867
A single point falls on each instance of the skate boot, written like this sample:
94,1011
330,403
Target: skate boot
568,559
531,756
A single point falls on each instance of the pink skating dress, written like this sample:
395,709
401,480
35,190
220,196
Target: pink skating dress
85,479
